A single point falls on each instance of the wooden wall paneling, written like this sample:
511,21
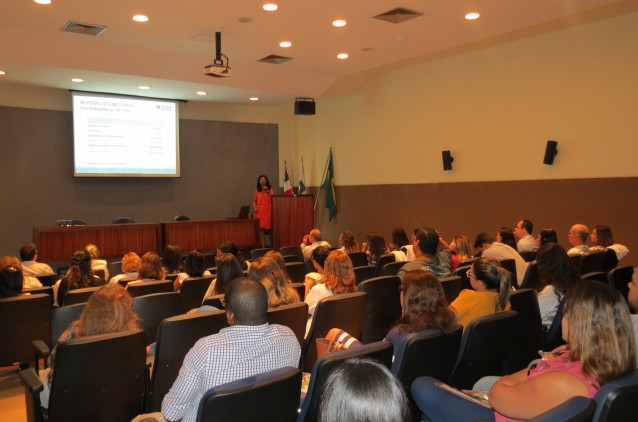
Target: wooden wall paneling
292,218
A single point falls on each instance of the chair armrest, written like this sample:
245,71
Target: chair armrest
41,351
32,386
31,381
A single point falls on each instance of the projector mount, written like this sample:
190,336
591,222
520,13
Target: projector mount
218,69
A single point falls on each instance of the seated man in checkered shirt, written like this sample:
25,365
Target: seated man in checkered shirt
250,346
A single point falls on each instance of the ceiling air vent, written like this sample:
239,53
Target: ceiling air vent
83,28
274,59
398,15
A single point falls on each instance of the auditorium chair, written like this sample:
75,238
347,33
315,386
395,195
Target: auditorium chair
528,331
392,268
364,273
150,287
610,261
155,308
383,307
115,268
193,290
296,271
452,286
181,218
592,261
292,251
576,409
531,280
359,259
300,288
269,397
385,259
48,279
619,278
258,253
96,378
175,337
616,400
78,295
595,276
123,220
510,265
462,272
528,256
293,316
37,290
216,301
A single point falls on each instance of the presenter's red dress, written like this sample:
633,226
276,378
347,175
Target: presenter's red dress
264,210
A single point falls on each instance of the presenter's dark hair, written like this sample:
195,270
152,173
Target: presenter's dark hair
28,252
247,299
361,390
172,259
267,182
11,280
547,236
495,278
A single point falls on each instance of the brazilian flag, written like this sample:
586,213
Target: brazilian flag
328,184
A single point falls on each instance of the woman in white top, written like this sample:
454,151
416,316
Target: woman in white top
97,264
601,239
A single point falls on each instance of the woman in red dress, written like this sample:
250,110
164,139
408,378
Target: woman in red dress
262,206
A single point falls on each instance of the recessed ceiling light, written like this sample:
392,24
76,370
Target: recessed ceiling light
140,18
472,16
42,1
270,7
339,23
77,80
202,93
342,56
285,44
2,72
144,87
254,98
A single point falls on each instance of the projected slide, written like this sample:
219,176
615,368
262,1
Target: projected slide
125,136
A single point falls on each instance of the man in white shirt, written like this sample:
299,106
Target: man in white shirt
523,232
311,241
501,251
250,346
577,237
29,258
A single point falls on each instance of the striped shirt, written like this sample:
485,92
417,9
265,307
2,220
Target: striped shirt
236,352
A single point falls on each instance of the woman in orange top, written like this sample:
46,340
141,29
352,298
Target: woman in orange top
263,207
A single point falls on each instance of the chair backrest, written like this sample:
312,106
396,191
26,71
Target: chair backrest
272,396
616,400
155,308
592,261
37,290
595,276
346,311
216,301
392,268
386,259
78,295
321,370
258,253
462,272
115,268
100,378
300,288
554,335
123,220
181,218
510,265
150,287
24,319
293,316
171,277
62,317
431,353
576,260
619,277
193,290
383,307
359,259
531,280
310,267
99,273
296,271
452,286
576,409
528,256
483,347
48,279
528,331
610,261
364,273
291,258
292,250
175,337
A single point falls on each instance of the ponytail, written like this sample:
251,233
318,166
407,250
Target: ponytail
505,288
495,278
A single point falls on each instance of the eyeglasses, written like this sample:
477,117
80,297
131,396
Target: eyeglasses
469,274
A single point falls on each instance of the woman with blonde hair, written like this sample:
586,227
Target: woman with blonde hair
97,264
338,278
348,242
460,247
600,348
266,271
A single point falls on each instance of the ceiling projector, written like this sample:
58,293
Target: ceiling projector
217,70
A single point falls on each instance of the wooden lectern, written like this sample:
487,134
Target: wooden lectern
292,218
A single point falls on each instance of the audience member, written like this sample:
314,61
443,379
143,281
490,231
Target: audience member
10,281
97,264
230,247
481,243
492,285
432,254
108,310
131,263
172,260
318,259
557,272
279,259
506,237
374,248
194,266
311,241
338,278
228,269
28,282
500,252
150,269
348,242
267,272
80,275
249,346
600,348
29,257
460,247
361,390
577,237
400,243
602,239
546,236
523,232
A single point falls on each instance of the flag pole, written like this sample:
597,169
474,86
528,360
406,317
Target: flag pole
325,170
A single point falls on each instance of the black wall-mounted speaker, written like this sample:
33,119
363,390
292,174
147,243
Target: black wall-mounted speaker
447,160
550,152
305,106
